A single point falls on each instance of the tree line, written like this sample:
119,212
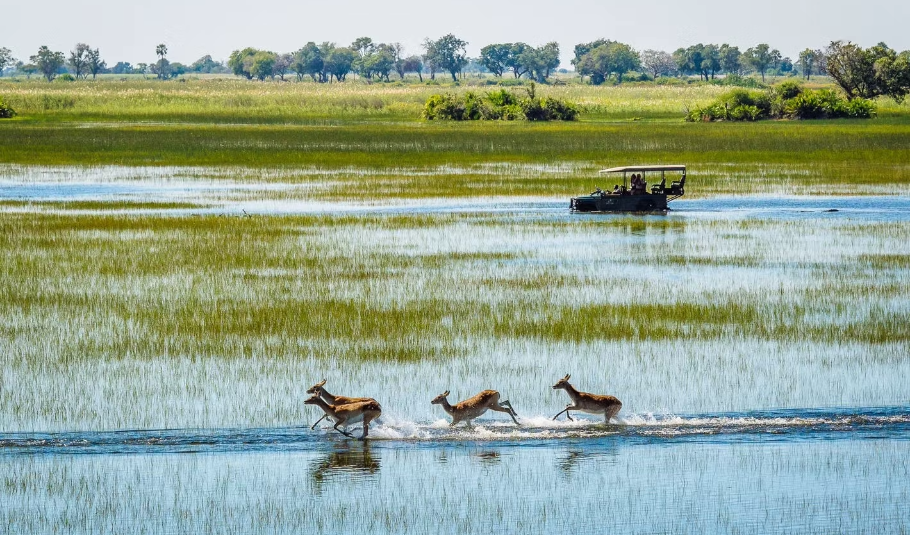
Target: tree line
860,72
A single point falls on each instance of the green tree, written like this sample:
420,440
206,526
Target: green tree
262,64
29,69
761,57
607,60
95,64
363,46
397,51
731,59
338,62
414,64
806,62
496,57
689,60
449,54
175,69
283,63
541,61
308,62
582,49
6,59
241,61
205,64
381,61
162,68
786,65
514,62
700,59
537,62
122,67
78,60
868,73
710,63
48,62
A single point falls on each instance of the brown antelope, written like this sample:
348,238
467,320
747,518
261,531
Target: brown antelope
585,402
352,412
471,408
320,391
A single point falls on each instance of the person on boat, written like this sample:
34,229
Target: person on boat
616,189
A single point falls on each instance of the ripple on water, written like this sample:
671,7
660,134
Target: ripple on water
535,431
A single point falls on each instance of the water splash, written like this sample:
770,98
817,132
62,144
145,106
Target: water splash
533,431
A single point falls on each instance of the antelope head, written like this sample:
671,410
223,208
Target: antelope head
562,383
316,388
440,398
312,400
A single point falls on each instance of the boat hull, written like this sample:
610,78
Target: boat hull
650,202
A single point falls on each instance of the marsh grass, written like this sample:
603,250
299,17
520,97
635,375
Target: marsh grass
95,205
417,160
375,127
217,300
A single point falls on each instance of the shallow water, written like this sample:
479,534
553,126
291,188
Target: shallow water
817,471
715,435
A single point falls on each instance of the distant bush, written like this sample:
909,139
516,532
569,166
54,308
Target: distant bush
736,80
788,100
5,110
511,82
498,105
65,77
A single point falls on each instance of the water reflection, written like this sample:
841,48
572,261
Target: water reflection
488,457
580,457
349,462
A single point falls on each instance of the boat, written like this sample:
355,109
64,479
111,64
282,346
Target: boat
636,198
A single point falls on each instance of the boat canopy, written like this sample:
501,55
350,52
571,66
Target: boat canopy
645,168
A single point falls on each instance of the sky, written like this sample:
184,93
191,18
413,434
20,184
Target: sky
126,30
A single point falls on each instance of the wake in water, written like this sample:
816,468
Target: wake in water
764,426
784,423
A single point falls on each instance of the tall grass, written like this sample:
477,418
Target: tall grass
260,306
377,127
817,157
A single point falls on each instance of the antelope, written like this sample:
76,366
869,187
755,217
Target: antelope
471,408
585,402
352,412
332,400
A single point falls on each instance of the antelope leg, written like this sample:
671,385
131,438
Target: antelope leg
317,421
507,410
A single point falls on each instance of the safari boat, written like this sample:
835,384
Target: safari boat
634,197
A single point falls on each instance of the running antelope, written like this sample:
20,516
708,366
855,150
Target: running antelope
585,402
352,412
320,391
471,408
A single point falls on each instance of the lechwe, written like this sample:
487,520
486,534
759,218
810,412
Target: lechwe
471,408
352,412
319,390
591,403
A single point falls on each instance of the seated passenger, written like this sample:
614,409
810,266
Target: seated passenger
616,188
